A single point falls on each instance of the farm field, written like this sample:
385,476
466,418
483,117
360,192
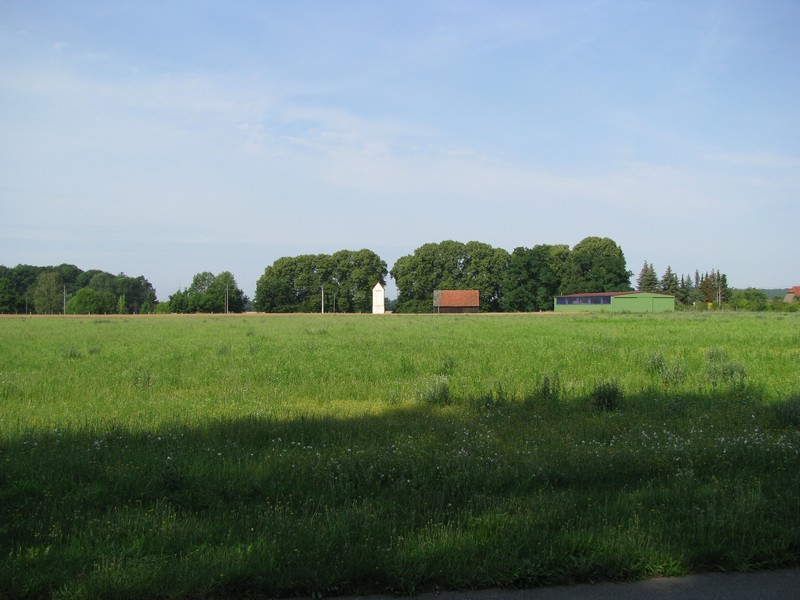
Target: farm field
243,456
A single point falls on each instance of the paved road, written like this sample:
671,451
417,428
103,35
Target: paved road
763,585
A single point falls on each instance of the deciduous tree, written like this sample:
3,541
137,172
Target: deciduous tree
295,283
595,265
450,265
208,293
48,296
533,277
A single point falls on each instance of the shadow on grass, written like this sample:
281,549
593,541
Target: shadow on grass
472,494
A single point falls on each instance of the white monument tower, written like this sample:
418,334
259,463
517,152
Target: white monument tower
378,299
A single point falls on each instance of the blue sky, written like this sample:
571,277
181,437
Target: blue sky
167,138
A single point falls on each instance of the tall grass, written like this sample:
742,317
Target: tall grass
235,456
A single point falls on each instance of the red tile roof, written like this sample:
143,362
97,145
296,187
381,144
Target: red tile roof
459,298
795,290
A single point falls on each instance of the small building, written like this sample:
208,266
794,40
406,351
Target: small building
456,301
793,294
378,299
634,302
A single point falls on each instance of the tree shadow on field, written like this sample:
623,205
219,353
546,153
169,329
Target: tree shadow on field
416,498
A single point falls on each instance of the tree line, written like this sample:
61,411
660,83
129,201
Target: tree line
707,289
208,293
67,289
342,281
524,280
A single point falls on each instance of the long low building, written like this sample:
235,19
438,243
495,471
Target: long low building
634,302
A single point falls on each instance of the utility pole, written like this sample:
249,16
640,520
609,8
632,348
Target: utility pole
323,299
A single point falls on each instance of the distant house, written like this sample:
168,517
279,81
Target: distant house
378,299
793,294
635,302
456,301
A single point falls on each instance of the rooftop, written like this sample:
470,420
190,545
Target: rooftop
459,298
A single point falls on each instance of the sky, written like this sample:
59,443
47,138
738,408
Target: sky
167,138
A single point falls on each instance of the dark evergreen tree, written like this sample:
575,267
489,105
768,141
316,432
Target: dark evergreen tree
714,288
669,283
647,280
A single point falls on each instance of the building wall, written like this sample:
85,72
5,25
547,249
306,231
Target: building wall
378,300
582,307
635,303
456,310
643,303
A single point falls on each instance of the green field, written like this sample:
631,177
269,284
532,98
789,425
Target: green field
246,456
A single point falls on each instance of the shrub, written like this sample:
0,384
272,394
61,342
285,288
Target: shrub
548,389
435,392
721,370
494,398
656,364
71,352
668,373
606,396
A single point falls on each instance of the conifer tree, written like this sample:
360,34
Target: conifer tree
669,282
648,279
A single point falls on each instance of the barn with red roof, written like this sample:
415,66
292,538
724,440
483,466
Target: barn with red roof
456,301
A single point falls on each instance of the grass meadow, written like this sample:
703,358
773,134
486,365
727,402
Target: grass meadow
262,456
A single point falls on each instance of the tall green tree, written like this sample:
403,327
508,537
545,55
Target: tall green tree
533,277
669,283
484,268
688,293
178,302
208,293
225,286
48,295
647,281
6,291
84,302
353,275
595,265
450,265
296,283
87,301
275,290
23,284
138,292
748,299
714,288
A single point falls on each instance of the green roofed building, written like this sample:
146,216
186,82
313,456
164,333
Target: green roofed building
633,302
